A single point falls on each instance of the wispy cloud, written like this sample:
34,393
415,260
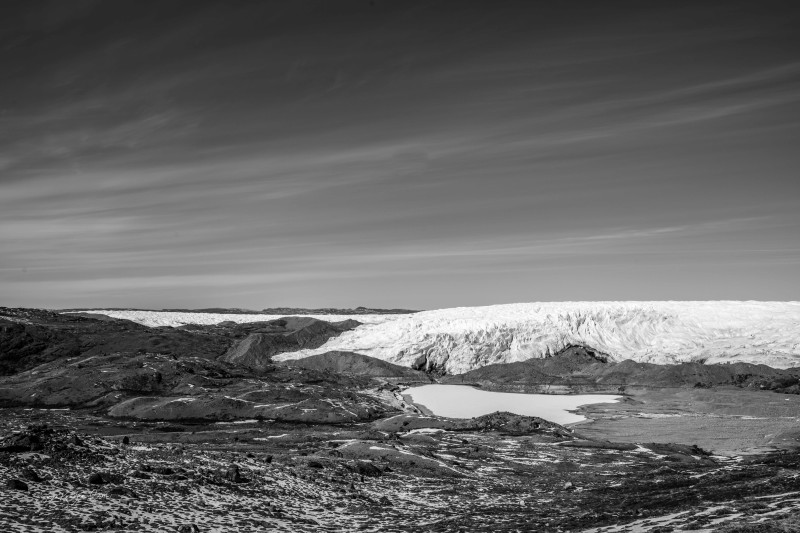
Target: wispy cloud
398,151
615,241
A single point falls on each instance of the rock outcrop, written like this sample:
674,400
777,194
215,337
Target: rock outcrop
354,363
284,335
580,368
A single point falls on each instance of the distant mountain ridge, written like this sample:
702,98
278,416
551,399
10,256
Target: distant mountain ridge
210,316
283,311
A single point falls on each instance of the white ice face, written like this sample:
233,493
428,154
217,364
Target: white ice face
461,339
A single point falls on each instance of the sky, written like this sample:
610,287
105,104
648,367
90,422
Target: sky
417,154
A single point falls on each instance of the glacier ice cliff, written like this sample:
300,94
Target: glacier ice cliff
461,339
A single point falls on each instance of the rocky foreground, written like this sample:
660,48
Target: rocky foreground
404,473
109,425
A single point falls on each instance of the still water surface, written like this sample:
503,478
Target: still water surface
462,401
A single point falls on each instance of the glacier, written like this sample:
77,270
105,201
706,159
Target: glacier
461,339
155,319
457,340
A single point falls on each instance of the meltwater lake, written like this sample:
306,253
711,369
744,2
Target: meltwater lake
463,401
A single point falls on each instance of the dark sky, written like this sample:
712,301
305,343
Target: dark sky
397,153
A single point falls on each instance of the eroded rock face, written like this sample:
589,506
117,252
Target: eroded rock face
354,363
256,350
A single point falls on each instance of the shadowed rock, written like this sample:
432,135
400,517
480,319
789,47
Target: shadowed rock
16,484
32,475
256,350
234,474
354,363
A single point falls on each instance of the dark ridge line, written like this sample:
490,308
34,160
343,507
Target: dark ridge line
267,311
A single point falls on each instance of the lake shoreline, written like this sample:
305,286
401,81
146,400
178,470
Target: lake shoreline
729,421
422,408
463,401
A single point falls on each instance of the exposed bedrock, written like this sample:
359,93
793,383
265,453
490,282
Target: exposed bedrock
323,409
580,368
256,350
161,387
354,363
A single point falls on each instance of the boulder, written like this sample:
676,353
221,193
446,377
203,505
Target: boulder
234,475
16,484
367,468
122,491
31,475
102,478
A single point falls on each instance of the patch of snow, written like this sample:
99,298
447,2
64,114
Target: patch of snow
182,400
424,430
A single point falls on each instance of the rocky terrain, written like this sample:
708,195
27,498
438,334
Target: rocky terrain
111,425
29,337
582,369
216,372
407,473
